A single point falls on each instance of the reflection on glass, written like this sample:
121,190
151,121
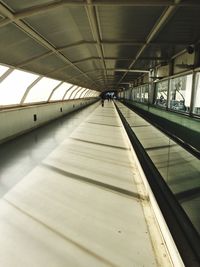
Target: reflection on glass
179,168
14,86
197,95
41,90
3,69
60,91
151,93
180,93
161,94
136,94
144,93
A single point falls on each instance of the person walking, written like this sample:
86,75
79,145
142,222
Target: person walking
102,102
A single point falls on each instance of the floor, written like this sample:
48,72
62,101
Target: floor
78,203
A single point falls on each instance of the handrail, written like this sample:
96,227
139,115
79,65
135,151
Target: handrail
195,152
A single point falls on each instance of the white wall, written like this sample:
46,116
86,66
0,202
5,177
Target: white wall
16,121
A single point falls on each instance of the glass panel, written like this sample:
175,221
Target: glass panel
3,69
180,93
14,86
138,94
88,93
179,168
60,91
41,90
85,93
144,93
197,96
79,93
74,92
161,93
134,92
70,91
151,92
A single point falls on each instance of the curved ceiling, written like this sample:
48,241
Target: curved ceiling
95,44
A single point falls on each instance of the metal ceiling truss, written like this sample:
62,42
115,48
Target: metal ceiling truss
92,14
95,29
52,92
169,11
69,89
6,74
29,89
81,88
78,87
70,3
84,93
30,32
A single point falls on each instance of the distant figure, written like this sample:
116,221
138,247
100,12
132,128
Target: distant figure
102,102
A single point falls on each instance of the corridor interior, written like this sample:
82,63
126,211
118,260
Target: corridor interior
78,199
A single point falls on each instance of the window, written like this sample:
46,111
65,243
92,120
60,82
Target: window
74,92
41,90
151,92
138,94
144,93
85,93
133,94
3,69
60,91
70,91
78,94
180,93
14,86
196,109
161,93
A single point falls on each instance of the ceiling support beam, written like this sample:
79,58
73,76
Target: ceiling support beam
34,35
68,91
91,14
6,74
81,88
31,60
85,92
52,92
29,89
71,3
98,3
77,88
82,93
128,70
155,30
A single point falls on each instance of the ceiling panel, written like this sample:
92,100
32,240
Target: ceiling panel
80,52
90,65
23,4
16,46
122,31
120,51
161,50
127,23
46,65
183,27
131,77
62,26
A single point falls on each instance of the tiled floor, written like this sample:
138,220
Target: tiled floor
79,206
